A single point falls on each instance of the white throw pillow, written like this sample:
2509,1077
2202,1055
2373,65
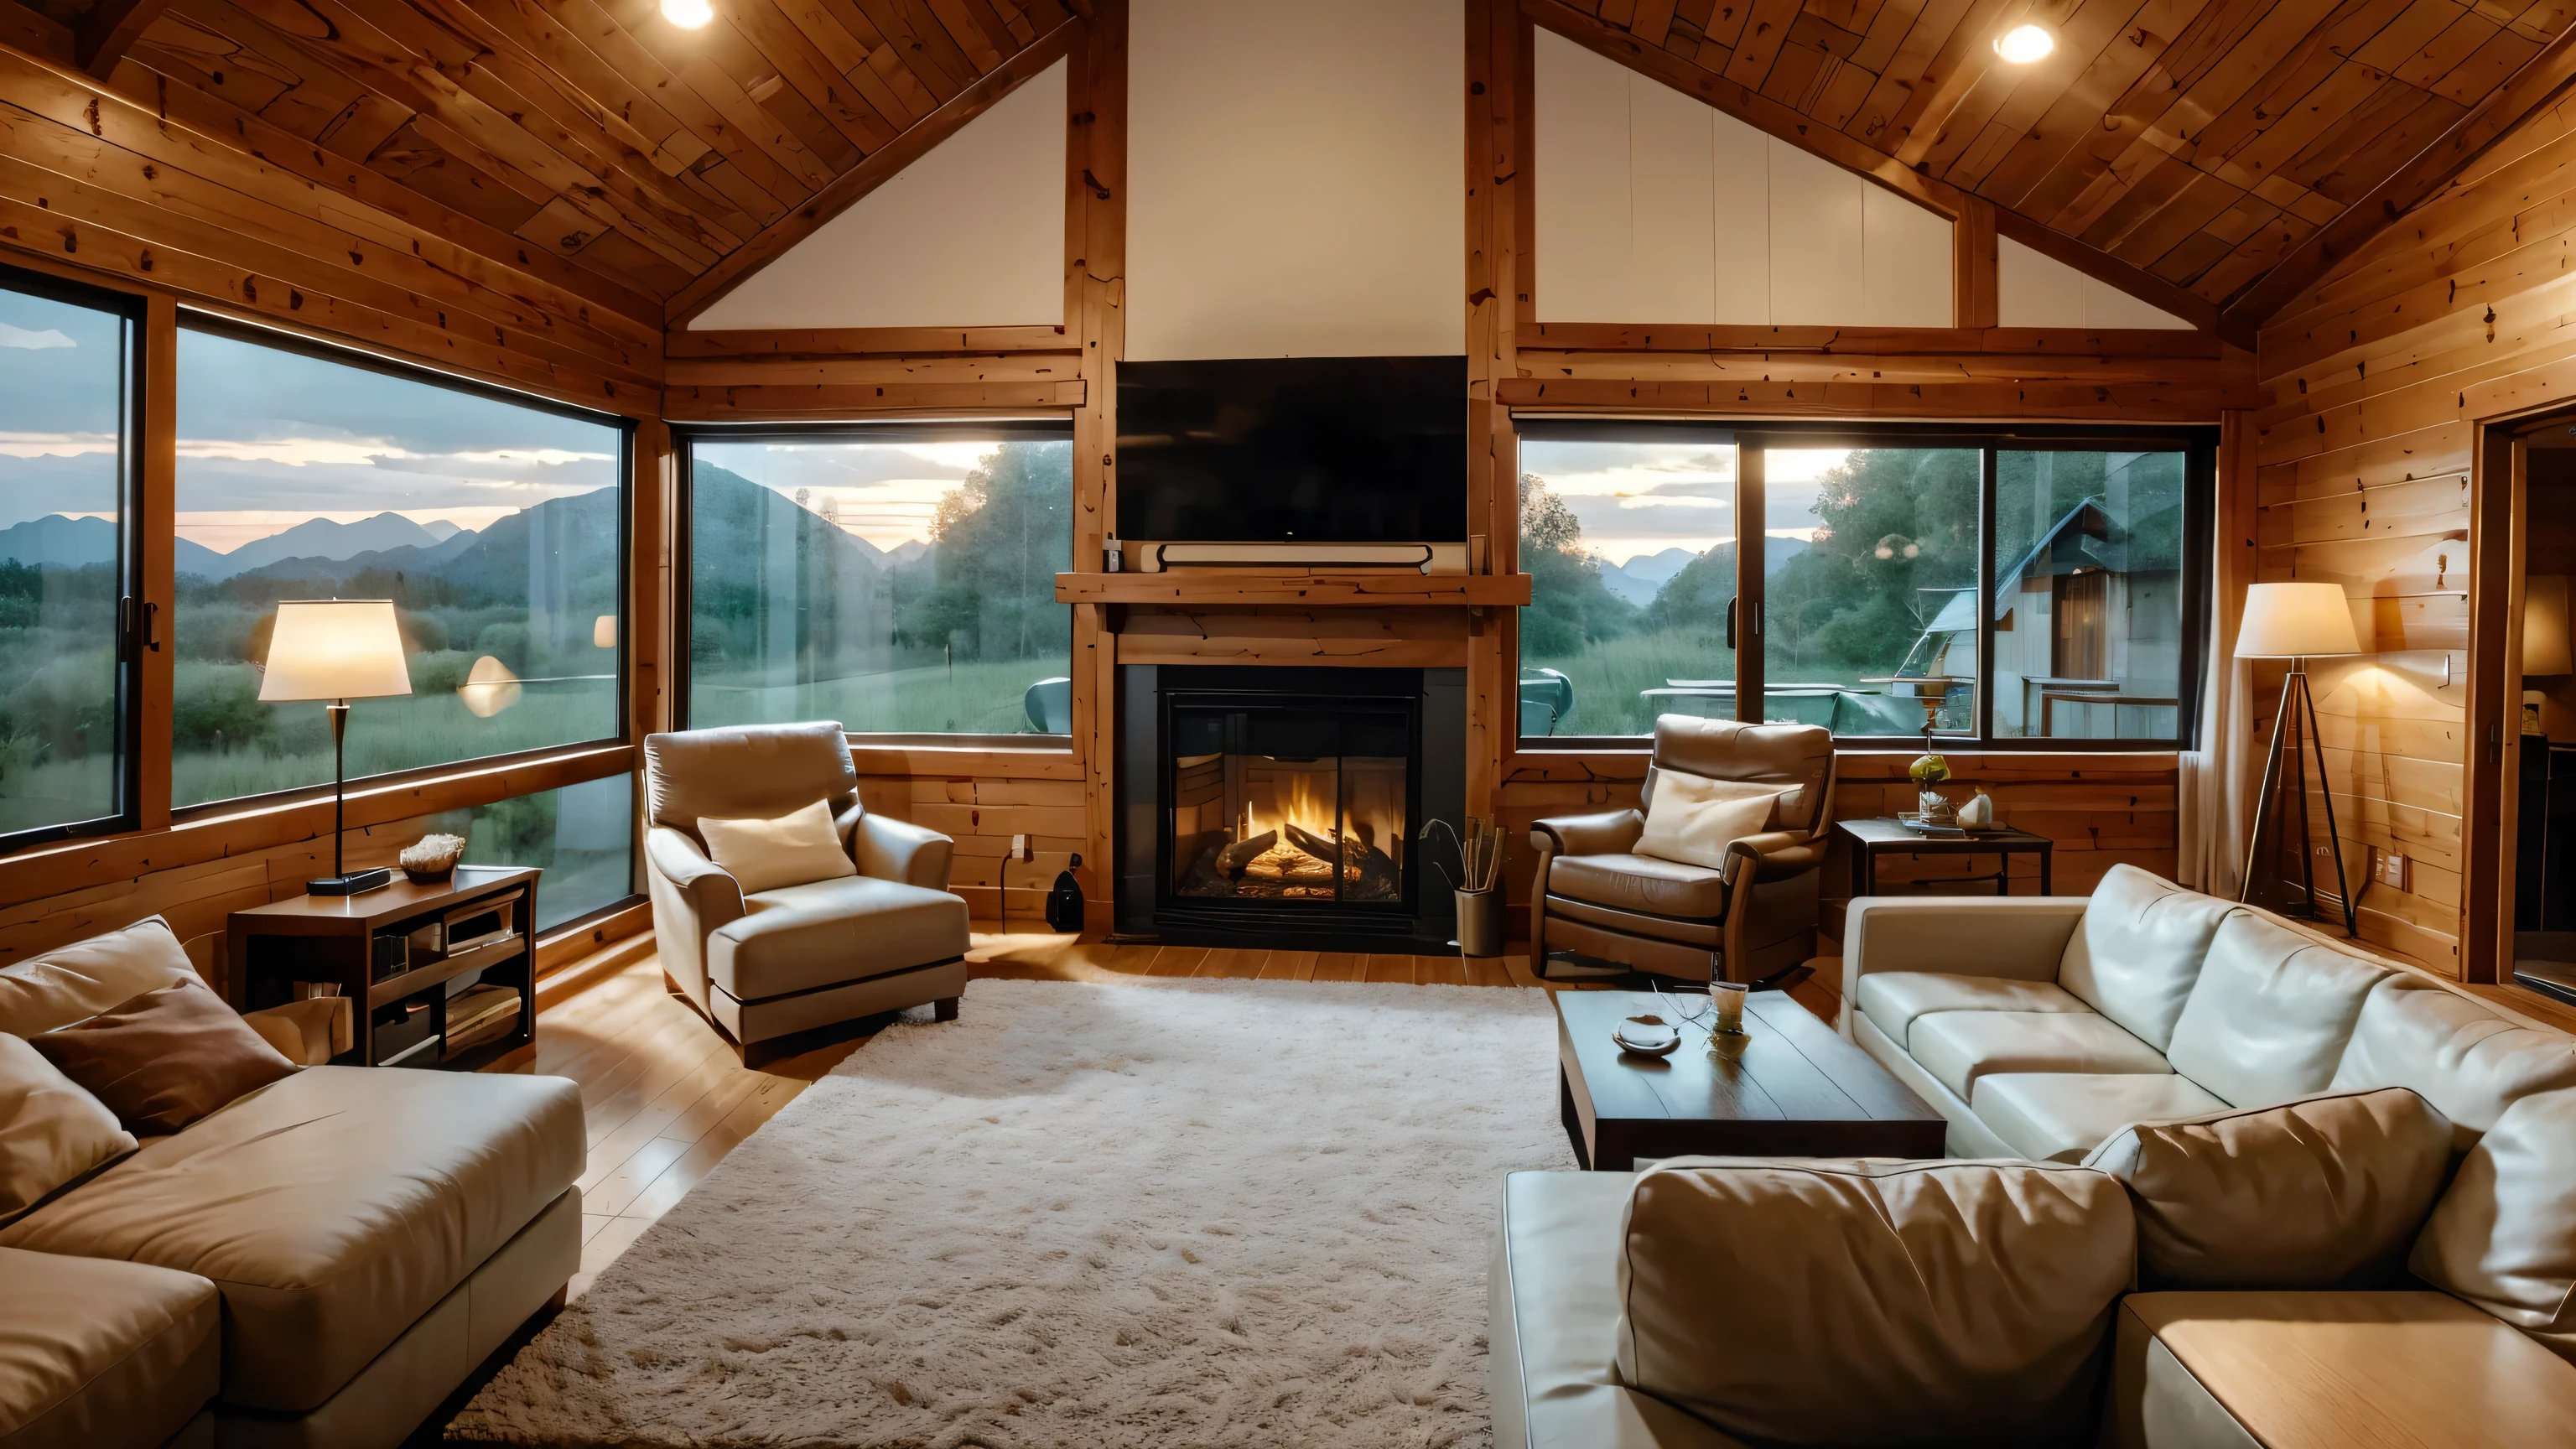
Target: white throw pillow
1693,819
50,1130
794,849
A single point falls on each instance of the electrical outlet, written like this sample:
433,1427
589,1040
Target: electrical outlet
2388,867
1021,849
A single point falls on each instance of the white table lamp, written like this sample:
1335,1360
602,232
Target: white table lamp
2298,622
336,650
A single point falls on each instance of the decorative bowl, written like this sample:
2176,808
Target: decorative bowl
1647,1036
431,858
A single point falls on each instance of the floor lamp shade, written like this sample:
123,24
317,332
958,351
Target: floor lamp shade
334,649
2287,621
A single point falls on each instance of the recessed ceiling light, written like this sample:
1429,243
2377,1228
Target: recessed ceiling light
690,14
2020,45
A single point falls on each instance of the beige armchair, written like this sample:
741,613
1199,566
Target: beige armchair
1620,911
779,961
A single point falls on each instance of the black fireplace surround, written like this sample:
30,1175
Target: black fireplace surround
1283,807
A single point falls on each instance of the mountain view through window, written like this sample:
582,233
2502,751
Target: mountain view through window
492,525
895,585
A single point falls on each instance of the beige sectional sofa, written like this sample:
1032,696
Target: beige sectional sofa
319,1263
2041,1028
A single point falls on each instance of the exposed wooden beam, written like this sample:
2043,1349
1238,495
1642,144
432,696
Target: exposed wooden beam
2541,82
880,167
109,30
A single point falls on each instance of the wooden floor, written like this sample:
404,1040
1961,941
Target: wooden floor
665,1097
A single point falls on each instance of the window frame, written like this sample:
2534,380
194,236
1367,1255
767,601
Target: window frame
219,325
685,438
132,610
2198,443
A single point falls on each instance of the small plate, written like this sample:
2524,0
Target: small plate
1646,1036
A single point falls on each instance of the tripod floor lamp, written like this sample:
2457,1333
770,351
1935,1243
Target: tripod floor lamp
2297,622
336,650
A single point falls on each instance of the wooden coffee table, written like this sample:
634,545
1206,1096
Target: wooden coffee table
1796,1089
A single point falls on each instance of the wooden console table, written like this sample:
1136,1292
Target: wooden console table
335,940
1870,839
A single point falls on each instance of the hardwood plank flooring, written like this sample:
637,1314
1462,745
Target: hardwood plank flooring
664,1097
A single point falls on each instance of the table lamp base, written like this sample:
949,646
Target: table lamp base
350,884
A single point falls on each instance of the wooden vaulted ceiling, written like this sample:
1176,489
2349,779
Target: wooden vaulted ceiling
2204,142
595,129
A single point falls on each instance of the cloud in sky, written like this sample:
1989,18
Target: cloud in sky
885,493
28,340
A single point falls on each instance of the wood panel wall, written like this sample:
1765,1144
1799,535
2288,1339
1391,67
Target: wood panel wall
2378,379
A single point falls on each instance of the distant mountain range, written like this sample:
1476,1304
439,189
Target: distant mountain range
1640,578
317,547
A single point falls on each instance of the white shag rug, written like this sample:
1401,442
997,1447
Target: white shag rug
1162,1214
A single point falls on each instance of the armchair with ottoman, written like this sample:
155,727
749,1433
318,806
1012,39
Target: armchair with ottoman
2217,1181
1601,898
869,929
318,1261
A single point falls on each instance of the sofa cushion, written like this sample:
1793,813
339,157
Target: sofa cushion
1640,883
1553,1322
2139,950
828,932
1844,1302
50,1130
166,1058
1894,999
2271,1013
2466,1060
1957,1047
331,1208
2323,1193
2060,1116
791,849
1693,819
97,1354
2504,1234
81,980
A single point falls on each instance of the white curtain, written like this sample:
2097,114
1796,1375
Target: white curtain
2214,805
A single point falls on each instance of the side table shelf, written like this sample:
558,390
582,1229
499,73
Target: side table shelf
419,962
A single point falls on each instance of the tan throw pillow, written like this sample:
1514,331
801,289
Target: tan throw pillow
50,1130
166,1058
1840,1302
794,849
1693,819
85,978
2324,1193
2504,1235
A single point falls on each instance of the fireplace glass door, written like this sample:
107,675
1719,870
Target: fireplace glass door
1289,804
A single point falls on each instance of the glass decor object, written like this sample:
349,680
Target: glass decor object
898,583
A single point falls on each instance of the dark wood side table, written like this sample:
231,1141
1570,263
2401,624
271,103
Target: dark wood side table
1870,839
376,948
1796,1089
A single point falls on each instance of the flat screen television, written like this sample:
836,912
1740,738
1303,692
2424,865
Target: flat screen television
1293,450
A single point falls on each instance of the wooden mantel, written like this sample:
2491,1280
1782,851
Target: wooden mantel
1237,586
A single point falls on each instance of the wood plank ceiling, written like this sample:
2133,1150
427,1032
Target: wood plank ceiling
594,129
2200,140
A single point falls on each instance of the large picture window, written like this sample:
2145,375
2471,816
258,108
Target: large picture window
2037,586
67,384
582,836
899,581
494,523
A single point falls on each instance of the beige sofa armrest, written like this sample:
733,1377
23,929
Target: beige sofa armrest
892,849
2017,939
1612,832
308,1033
707,890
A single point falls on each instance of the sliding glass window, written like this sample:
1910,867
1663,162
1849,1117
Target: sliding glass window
68,370
898,580
493,521
2041,585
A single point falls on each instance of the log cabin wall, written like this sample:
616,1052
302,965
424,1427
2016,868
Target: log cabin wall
2379,376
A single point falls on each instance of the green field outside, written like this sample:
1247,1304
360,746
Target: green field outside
980,698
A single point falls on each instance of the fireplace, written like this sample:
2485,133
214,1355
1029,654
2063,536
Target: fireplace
1269,806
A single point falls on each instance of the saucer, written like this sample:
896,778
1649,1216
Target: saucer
1646,1036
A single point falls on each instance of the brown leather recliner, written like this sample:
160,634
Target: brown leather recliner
1598,899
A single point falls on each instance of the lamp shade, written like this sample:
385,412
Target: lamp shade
334,649
2544,626
2286,620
